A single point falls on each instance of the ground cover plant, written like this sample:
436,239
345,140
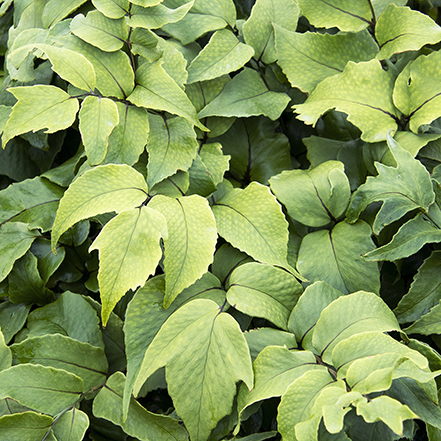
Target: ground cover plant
220,220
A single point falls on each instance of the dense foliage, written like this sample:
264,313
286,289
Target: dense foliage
220,220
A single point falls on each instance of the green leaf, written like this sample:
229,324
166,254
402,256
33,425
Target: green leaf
223,54
15,239
252,221
402,188
98,117
72,425
60,352
48,262
70,315
105,33
205,354
246,95
157,90
157,16
129,253
25,426
416,94
308,58
201,182
112,8
427,324
100,190
424,293
114,73
191,241
363,91
12,318
264,291
400,29
305,314
335,257
5,354
258,339
140,423
348,315
224,9
344,14
258,30
40,107
55,10
146,3
172,146
324,197
41,388
385,409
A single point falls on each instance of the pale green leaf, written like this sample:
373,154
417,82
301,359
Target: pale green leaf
173,187
258,339
264,291
400,29
191,241
140,423
246,95
41,388
55,10
364,92
157,90
5,354
25,426
146,3
335,257
173,61
40,107
172,146
60,352
417,91
129,253
12,318
157,16
100,190
324,196
129,137
98,30
114,73
424,293
223,54
224,9
347,15
205,354
305,314
201,182
98,117
308,58
385,409
252,221
72,425
427,324
112,8
15,239
348,315
258,30
381,5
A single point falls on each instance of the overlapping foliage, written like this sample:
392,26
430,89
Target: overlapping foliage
183,257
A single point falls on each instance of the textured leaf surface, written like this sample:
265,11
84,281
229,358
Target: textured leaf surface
247,95
324,195
191,241
258,30
60,352
40,107
224,9
402,188
258,339
157,90
105,33
335,257
427,324
112,8
140,423
264,291
363,91
12,318
100,190
348,315
172,146
205,354
417,91
223,54
98,117
25,426
5,354
400,29
72,425
56,10
129,253
252,220
308,58
43,389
